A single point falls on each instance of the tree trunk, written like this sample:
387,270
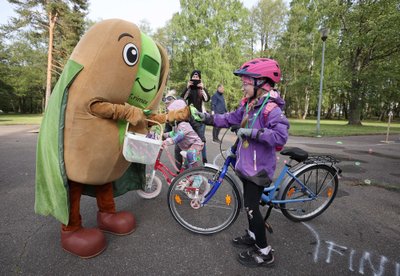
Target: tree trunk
307,103
329,113
52,24
355,104
355,111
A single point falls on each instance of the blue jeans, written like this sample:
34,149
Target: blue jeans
201,131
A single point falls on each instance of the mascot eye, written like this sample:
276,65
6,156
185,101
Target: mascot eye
130,54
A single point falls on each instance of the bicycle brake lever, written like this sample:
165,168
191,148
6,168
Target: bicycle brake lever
235,128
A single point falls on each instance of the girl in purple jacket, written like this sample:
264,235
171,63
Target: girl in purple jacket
263,128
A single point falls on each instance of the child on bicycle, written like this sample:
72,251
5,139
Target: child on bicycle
184,136
263,127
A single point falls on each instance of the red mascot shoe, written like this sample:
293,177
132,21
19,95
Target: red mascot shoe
84,242
119,223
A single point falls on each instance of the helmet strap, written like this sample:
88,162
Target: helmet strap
255,89
257,85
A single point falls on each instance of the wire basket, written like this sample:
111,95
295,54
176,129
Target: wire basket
140,148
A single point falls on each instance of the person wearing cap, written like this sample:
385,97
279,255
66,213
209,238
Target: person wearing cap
196,94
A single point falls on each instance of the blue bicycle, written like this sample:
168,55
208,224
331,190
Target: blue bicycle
207,200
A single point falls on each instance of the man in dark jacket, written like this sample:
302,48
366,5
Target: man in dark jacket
196,94
218,106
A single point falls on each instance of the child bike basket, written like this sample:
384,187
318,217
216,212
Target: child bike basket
140,148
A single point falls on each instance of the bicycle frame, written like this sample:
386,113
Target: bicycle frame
215,183
270,193
270,197
166,172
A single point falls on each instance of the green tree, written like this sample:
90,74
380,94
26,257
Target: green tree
58,23
7,95
211,36
369,39
269,18
24,60
297,54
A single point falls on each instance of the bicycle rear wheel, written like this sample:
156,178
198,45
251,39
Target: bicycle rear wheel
217,214
322,180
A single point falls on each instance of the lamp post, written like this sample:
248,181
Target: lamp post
324,35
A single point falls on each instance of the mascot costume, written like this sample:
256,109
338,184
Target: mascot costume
114,73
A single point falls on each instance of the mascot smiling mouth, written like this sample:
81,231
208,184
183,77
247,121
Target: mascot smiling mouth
146,90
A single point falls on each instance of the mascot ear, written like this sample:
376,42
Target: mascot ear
154,104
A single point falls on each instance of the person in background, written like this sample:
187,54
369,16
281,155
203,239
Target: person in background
218,106
263,127
196,94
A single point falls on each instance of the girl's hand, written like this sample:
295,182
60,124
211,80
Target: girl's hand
168,142
244,132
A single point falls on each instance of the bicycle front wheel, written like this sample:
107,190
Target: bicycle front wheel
153,186
322,180
186,194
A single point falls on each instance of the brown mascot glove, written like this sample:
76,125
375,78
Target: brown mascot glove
161,118
172,115
179,115
125,112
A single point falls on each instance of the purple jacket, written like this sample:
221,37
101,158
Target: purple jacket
257,162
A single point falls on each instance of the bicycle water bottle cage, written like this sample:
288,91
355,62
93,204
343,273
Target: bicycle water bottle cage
295,153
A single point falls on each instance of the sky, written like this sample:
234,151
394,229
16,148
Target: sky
155,12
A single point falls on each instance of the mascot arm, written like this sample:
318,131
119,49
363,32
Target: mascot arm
172,115
106,110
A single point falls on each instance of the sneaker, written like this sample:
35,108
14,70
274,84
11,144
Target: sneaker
244,241
254,258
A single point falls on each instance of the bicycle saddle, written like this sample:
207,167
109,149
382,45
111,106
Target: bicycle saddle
295,153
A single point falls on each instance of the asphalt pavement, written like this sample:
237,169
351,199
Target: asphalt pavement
358,235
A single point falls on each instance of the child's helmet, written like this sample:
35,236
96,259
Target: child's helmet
260,68
177,104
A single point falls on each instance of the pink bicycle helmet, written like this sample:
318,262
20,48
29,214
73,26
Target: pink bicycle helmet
177,104
260,68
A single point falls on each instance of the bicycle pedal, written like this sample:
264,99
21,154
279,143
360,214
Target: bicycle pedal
268,227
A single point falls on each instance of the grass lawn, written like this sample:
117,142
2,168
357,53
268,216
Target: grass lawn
20,119
297,127
340,128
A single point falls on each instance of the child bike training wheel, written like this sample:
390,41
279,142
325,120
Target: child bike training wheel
322,180
187,193
153,186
